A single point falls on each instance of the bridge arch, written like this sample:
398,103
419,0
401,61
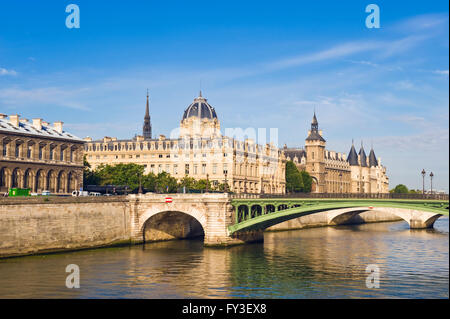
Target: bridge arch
171,224
415,218
336,212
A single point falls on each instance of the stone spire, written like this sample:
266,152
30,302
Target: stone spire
147,128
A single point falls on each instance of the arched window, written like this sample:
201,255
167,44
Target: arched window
15,178
26,179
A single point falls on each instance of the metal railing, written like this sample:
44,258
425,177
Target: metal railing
345,195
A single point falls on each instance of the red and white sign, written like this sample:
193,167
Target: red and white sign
168,199
370,207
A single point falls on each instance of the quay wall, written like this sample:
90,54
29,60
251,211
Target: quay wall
59,224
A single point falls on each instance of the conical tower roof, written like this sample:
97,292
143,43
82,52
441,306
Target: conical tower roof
352,157
362,156
372,158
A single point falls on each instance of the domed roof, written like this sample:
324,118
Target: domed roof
201,109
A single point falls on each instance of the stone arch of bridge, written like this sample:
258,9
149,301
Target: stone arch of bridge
415,218
159,225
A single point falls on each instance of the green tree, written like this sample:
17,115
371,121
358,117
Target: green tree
187,182
165,183
307,181
201,184
400,189
294,182
149,182
121,174
89,176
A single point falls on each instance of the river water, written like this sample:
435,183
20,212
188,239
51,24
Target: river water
328,262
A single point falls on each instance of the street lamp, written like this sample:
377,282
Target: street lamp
226,183
423,181
431,178
140,184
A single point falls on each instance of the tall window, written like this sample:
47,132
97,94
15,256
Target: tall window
5,148
41,150
186,169
17,152
29,151
195,169
175,169
203,168
214,169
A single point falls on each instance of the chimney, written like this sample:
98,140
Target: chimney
37,123
58,126
2,116
14,119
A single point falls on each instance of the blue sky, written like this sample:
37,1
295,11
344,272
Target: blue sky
261,64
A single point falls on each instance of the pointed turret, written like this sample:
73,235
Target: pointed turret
352,157
372,158
147,128
362,156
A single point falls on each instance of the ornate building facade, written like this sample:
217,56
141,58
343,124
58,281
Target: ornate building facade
38,156
200,151
334,172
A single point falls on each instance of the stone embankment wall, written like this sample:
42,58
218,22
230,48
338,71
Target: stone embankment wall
36,225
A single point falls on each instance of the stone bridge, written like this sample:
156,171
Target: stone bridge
225,221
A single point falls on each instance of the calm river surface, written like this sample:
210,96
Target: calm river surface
327,262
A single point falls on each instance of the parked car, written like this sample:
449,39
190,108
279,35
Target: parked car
94,194
46,193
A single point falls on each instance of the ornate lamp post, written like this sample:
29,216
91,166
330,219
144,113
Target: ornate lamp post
431,178
140,184
423,181
226,183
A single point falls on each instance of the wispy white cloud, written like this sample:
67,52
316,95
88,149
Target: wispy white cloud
441,72
48,95
4,71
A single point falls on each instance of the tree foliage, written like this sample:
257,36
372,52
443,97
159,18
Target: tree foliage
132,175
307,181
400,189
297,181
294,182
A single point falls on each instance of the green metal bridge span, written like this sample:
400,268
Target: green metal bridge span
261,213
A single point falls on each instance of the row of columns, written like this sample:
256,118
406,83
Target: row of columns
56,181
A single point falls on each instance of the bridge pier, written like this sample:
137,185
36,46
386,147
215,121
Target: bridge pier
421,223
238,238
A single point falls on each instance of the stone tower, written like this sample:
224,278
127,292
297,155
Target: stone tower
315,156
147,128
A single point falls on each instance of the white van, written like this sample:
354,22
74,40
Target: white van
80,193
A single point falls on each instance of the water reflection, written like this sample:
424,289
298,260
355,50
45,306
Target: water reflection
327,262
